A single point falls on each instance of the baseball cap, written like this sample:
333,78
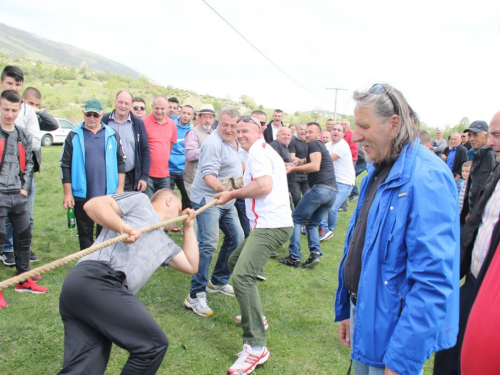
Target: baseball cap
93,105
477,126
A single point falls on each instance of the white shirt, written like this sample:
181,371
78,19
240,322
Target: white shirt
273,209
344,169
275,130
27,119
485,231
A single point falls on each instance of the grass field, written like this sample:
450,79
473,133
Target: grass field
298,304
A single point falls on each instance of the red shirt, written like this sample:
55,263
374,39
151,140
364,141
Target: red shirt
160,136
352,145
482,339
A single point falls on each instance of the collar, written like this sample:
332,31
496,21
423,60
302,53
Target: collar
112,117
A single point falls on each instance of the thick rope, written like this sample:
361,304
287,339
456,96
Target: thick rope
60,262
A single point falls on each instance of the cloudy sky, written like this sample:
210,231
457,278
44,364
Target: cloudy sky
443,55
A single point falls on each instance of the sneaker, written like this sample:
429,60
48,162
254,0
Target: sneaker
288,261
33,257
3,304
325,234
176,230
342,209
30,287
312,261
8,259
34,278
237,319
247,361
275,254
303,229
261,276
353,197
199,305
224,289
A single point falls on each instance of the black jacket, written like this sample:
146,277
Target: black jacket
47,123
483,164
268,133
460,158
469,231
142,155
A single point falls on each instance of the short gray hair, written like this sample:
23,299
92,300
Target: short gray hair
230,112
384,108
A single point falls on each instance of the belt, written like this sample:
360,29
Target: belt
323,186
354,298
301,173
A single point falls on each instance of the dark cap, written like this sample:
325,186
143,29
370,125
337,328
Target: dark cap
477,126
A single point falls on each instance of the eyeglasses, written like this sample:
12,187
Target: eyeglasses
381,89
139,108
248,119
92,114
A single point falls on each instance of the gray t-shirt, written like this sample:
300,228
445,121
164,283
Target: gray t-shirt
141,259
219,159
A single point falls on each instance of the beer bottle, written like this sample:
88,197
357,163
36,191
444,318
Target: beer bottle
71,218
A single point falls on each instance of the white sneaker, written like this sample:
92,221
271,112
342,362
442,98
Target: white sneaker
224,289
237,319
198,305
248,360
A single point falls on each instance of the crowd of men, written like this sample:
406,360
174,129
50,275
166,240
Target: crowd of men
427,216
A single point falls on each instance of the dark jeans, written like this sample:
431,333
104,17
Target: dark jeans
242,215
85,226
98,310
130,184
358,168
14,206
178,179
447,362
300,185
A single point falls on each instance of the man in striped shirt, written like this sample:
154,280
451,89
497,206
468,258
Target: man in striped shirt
477,240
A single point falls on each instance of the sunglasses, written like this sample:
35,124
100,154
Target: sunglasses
248,119
139,108
381,89
92,114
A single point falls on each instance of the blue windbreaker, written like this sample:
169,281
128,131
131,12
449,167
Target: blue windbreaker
407,303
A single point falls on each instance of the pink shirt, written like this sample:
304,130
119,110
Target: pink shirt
160,135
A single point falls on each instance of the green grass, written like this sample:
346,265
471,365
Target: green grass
298,303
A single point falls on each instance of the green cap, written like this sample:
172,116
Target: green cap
93,105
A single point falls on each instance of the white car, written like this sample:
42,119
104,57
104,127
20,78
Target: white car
58,135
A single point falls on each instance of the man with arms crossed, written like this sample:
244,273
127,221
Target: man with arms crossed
98,304
266,197
397,299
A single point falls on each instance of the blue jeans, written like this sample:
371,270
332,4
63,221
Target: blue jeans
358,168
343,193
311,209
359,367
9,247
155,184
208,223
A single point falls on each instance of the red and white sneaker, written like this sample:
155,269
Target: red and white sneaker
30,287
3,304
237,319
248,360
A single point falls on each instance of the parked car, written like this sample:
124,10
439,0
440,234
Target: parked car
58,135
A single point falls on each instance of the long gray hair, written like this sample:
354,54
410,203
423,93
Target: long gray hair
386,104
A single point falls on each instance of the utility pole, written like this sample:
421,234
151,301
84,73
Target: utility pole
336,90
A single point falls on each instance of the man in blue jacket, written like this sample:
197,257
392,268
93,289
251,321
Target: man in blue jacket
397,300
93,164
134,139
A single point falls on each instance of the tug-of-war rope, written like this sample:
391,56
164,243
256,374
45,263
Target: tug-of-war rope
69,258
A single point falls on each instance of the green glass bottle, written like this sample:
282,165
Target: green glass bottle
71,218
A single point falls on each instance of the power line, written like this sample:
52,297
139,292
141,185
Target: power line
262,53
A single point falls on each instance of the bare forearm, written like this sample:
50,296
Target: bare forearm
213,183
190,247
103,211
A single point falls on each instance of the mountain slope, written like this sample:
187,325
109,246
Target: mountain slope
19,43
